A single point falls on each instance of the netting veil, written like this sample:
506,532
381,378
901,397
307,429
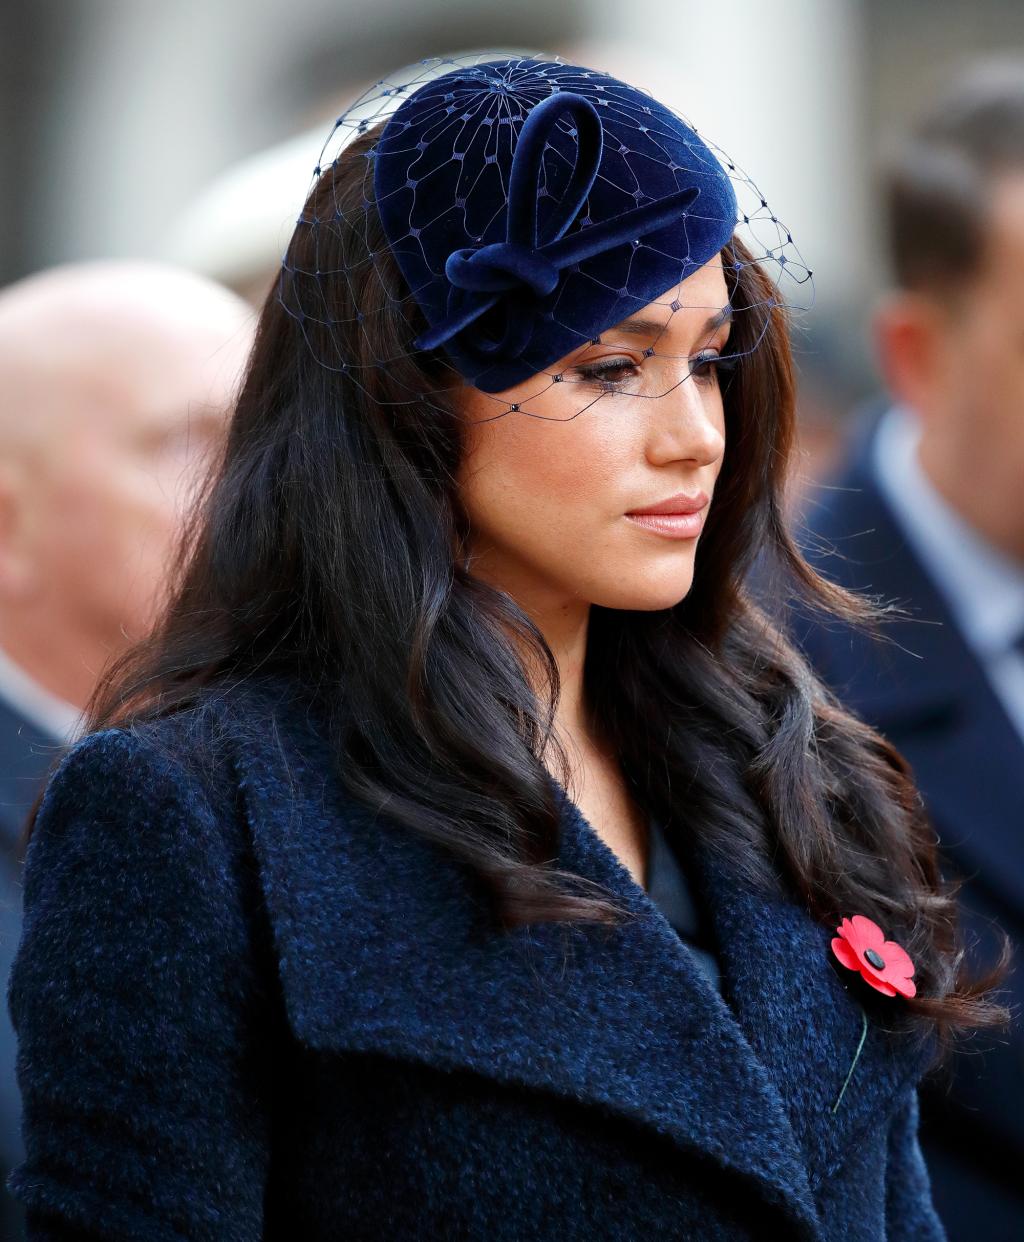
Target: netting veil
490,220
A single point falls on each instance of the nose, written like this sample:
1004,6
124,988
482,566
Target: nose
687,424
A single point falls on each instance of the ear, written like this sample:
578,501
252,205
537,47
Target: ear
909,335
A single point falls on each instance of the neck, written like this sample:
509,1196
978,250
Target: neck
565,631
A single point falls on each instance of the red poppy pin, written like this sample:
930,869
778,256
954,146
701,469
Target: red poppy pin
861,945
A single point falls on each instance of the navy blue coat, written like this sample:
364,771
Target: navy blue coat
926,691
247,1007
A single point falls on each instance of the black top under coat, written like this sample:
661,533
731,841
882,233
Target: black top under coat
668,887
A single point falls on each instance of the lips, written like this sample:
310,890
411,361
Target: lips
679,503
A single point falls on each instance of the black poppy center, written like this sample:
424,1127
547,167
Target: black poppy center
875,959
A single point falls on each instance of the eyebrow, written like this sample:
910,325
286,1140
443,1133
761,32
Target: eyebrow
651,327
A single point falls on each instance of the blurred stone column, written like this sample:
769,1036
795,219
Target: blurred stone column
779,87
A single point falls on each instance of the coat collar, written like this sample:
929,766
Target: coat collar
382,947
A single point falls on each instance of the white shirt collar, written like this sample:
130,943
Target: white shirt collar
983,587
51,713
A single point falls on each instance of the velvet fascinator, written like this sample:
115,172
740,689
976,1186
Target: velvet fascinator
530,205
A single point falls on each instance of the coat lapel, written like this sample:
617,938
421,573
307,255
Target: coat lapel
383,946
803,1016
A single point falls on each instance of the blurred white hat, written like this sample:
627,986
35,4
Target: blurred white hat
238,227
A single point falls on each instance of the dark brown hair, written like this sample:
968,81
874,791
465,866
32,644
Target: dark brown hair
937,185
327,545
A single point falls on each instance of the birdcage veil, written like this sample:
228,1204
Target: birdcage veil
492,214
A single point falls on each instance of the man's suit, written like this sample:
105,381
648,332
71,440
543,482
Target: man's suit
925,690
25,754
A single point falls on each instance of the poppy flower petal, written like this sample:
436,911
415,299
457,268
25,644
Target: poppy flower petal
868,934
897,959
872,975
846,954
905,987
880,985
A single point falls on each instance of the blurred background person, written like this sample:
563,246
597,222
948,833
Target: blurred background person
115,382
927,511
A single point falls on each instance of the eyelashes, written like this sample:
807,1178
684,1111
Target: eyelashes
610,373
716,364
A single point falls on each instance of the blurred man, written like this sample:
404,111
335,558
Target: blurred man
115,383
928,511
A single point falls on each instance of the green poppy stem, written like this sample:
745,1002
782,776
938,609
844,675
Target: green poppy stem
863,1036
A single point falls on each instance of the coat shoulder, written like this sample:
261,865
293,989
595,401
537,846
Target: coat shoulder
152,803
142,993
189,753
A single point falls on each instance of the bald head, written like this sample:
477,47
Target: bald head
116,381
72,336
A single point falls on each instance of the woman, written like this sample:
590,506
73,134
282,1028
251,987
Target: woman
337,921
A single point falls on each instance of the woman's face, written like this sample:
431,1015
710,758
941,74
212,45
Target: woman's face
548,489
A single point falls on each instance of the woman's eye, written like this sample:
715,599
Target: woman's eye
611,371
707,365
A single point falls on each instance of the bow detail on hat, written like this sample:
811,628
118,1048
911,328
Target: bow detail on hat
525,265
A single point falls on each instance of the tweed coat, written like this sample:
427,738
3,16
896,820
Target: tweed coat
247,1007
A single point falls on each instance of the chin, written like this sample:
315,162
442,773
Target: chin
645,594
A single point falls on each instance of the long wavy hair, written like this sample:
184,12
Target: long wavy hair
328,543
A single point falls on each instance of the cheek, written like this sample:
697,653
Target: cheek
540,486
987,379
1008,372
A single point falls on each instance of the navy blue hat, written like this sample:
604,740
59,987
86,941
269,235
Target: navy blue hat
530,205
